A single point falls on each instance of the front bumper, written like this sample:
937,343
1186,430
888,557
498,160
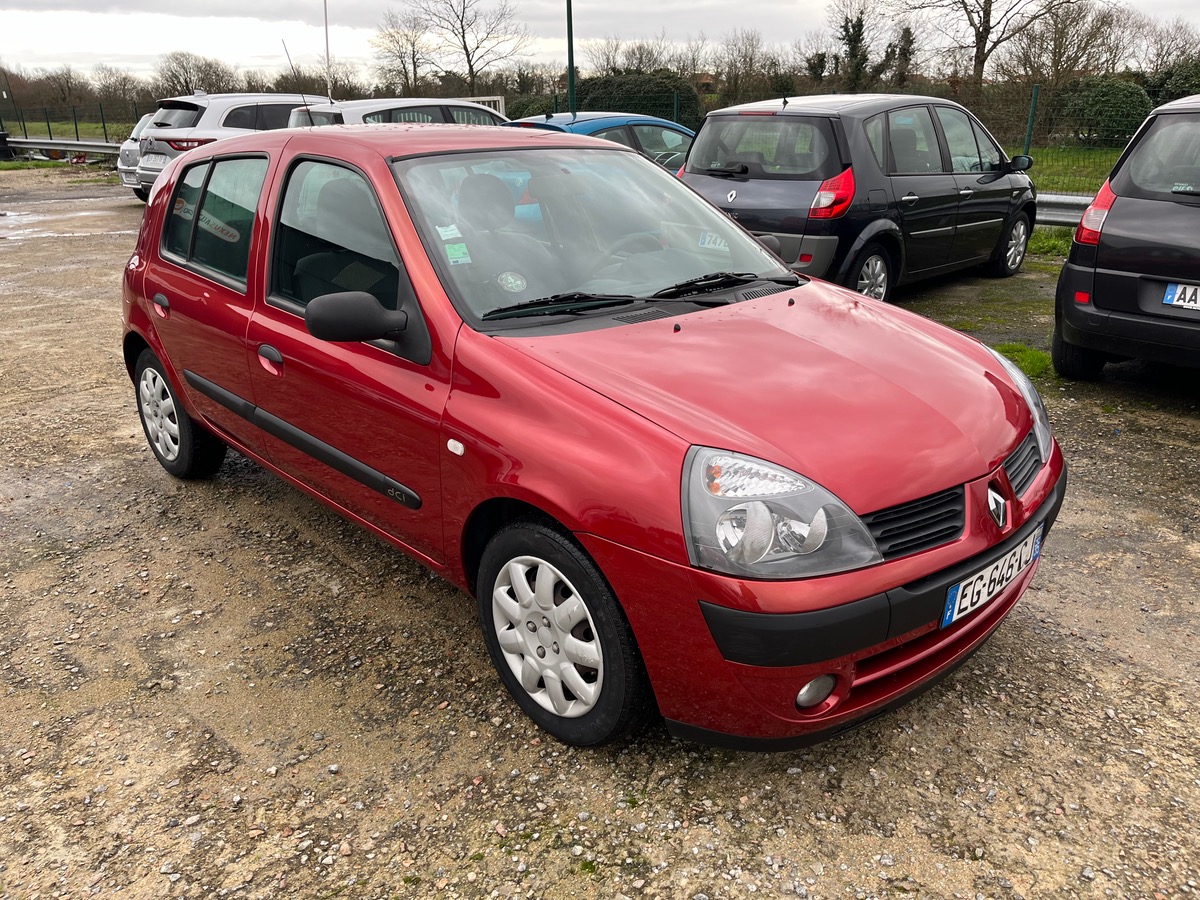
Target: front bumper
728,676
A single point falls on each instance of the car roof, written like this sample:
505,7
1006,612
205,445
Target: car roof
416,139
202,98
378,103
832,104
563,121
1183,104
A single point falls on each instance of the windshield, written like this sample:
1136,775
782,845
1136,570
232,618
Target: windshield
513,226
786,147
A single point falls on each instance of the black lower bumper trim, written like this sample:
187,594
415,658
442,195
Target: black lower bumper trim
798,639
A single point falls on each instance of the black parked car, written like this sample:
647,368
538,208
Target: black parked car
1131,286
869,190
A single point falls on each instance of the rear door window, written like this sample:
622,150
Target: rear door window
618,135
464,115
273,115
785,147
215,232
914,142
241,117
1165,162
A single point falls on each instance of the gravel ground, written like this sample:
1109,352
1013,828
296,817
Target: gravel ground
223,689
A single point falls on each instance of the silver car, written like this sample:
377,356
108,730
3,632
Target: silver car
127,158
394,109
183,123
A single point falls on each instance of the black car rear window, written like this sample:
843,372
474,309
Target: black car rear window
797,148
1165,162
177,115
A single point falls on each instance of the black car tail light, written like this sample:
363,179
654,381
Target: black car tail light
834,196
1088,231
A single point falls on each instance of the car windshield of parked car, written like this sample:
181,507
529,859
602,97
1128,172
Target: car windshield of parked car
508,227
1165,164
785,147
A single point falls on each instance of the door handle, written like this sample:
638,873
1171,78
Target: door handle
270,359
910,198
162,306
965,193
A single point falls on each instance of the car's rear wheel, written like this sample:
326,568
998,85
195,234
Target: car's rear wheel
1073,361
558,637
1010,252
182,447
871,274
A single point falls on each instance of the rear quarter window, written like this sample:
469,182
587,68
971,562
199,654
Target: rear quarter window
801,148
1165,162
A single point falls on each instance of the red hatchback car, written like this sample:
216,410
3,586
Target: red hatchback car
675,474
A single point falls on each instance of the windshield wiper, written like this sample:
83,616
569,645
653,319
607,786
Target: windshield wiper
570,302
715,281
729,168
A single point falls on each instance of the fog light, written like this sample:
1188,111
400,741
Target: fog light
816,691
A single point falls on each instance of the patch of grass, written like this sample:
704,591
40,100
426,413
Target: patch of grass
1051,240
587,867
1033,363
15,164
1071,170
476,857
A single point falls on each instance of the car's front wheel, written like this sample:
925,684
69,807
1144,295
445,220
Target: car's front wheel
871,273
184,448
558,637
1073,361
1014,243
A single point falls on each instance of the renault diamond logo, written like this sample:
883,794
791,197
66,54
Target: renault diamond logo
731,196
998,507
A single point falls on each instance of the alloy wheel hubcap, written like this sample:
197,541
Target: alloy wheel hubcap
159,415
547,637
873,278
1016,245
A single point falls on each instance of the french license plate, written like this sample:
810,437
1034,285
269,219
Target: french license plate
1185,295
129,178
981,588
154,160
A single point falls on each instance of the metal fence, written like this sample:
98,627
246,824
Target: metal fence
110,124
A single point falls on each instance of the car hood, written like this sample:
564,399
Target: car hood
878,405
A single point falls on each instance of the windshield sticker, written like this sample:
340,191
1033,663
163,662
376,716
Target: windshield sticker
1183,187
448,232
457,254
710,241
511,282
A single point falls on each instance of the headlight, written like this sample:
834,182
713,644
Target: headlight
743,516
1041,421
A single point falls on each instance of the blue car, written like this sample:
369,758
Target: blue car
662,140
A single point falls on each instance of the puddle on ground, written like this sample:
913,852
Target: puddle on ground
24,226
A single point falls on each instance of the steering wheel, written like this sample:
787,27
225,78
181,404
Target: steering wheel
625,246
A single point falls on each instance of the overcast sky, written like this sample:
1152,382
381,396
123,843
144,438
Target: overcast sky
133,34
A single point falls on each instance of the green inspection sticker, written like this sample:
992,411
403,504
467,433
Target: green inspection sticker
457,254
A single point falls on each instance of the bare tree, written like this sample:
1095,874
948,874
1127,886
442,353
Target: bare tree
646,54
117,87
1158,44
67,86
1087,38
738,59
470,35
403,51
604,55
691,58
981,27
180,72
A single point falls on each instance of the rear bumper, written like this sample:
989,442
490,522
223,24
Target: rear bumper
1169,339
727,657
807,254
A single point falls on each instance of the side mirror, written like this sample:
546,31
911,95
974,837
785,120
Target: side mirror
1020,163
353,316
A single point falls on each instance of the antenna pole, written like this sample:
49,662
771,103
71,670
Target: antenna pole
328,80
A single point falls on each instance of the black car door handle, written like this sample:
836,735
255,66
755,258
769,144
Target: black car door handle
910,198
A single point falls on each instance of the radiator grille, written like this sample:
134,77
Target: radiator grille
919,525
1023,465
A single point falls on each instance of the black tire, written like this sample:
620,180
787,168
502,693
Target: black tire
1073,361
873,273
142,194
598,631
183,447
1011,251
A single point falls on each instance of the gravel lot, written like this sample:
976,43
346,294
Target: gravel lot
223,689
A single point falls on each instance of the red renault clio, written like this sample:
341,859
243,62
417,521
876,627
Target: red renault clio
676,475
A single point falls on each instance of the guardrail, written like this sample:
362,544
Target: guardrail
1061,209
98,148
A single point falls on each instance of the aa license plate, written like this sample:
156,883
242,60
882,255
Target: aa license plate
1185,295
154,160
978,590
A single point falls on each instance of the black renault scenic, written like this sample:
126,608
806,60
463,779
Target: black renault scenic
868,190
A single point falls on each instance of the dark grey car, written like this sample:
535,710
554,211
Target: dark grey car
1131,285
868,190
